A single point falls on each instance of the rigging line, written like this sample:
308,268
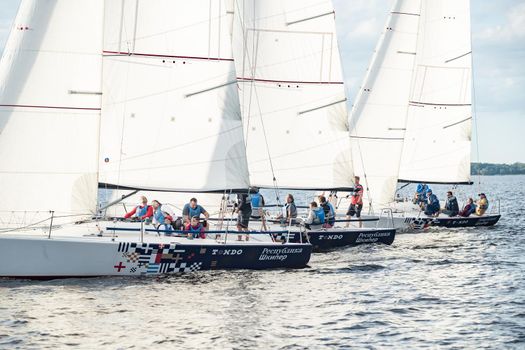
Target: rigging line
475,117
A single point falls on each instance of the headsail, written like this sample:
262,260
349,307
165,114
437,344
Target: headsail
50,86
170,118
438,136
379,114
292,94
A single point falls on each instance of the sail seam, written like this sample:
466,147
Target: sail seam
405,13
290,81
120,53
377,138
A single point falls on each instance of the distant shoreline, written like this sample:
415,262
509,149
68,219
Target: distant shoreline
497,169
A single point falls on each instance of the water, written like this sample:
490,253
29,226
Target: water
450,289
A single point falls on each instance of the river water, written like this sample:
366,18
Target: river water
440,289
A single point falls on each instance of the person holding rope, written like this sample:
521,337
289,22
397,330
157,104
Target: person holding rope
195,229
142,211
192,209
162,216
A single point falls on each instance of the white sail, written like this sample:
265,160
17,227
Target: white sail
50,83
170,118
380,111
438,136
292,94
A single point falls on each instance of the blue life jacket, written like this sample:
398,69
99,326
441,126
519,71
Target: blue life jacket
194,212
319,215
159,215
256,200
141,211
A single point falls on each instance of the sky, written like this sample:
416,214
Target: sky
498,37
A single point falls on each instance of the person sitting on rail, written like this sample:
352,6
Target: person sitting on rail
289,210
192,209
451,205
432,204
315,217
420,195
356,202
483,204
162,215
329,211
469,208
195,228
142,211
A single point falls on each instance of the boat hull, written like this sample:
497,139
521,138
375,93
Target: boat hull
326,239
41,258
471,221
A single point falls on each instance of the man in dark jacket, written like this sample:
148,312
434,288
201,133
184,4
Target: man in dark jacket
244,210
451,205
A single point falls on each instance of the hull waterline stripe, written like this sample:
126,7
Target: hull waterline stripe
290,81
119,53
53,107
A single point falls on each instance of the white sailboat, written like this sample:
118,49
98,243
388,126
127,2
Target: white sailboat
411,121
293,104
128,94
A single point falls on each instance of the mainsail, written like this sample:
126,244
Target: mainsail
438,135
411,119
170,113
50,86
292,94
378,117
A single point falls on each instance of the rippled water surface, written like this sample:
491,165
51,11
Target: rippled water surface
452,289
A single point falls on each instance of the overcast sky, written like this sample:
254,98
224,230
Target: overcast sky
498,34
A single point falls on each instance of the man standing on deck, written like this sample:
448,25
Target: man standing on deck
356,203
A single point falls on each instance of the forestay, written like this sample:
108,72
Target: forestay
171,118
379,114
50,83
292,94
438,136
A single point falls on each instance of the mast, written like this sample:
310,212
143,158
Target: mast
50,86
292,94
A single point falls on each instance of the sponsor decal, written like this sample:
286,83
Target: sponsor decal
280,254
330,237
371,237
226,252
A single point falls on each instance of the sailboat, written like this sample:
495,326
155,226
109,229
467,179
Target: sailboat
293,105
129,95
411,122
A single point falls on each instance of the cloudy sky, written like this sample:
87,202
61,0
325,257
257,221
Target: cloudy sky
498,34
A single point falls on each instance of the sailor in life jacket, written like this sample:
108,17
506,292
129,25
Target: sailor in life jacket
162,216
142,211
258,204
483,204
315,216
195,229
329,211
192,209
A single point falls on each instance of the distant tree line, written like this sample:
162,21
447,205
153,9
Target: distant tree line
497,169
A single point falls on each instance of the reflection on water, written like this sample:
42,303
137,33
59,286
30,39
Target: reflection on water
443,288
